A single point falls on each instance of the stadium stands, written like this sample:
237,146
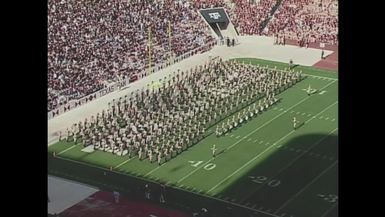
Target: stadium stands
306,21
92,43
248,17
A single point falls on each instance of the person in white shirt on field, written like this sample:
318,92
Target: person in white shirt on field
214,149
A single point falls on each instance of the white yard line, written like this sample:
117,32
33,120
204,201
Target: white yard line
197,193
266,123
327,211
247,163
67,149
303,189
308,120
123,162
315,76
155,169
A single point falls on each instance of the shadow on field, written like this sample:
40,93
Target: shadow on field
284,173
264,185
177,168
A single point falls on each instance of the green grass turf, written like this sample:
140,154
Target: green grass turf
264,165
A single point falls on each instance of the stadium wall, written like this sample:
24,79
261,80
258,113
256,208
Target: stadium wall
133,186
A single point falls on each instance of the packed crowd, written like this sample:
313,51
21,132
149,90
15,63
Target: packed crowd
305,21
202,4
91,43
248,17
158,124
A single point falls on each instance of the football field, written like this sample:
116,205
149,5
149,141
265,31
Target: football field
264,165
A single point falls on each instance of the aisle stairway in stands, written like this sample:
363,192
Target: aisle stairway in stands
273,10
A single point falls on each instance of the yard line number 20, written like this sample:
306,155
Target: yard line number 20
263,179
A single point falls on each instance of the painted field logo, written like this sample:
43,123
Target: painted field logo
215,15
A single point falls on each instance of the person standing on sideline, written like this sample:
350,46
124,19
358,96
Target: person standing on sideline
162,192
147,191
322,54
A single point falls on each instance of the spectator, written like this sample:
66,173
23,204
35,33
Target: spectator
162,193
93,44
306,22
147,192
